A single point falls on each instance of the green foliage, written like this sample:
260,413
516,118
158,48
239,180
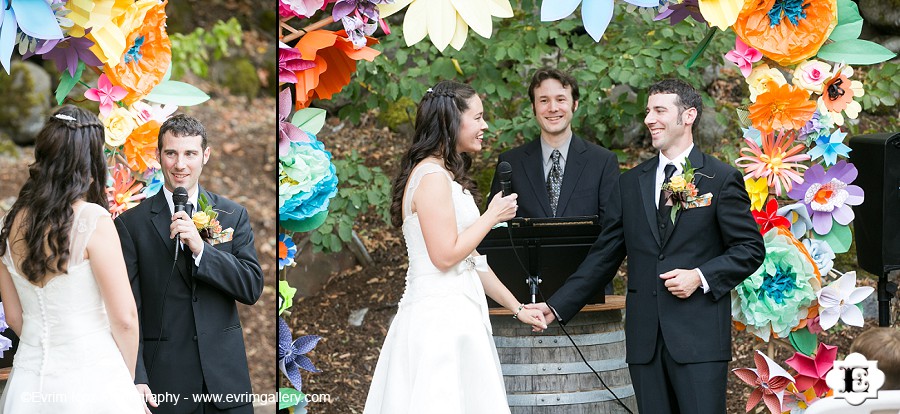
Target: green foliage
361,188
191,52
881,85
635,51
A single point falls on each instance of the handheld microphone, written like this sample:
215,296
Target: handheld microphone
180,200
504,171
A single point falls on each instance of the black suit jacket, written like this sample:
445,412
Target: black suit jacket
202,340
589,176
721,240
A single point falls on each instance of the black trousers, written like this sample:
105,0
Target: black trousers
666,386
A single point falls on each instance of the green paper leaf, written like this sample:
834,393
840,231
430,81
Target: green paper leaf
849,22
168,73
839,238
302,226
310,120
702,46
67,83
855,52
289,397
804,341
177,93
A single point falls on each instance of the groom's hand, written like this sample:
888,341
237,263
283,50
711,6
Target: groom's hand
147,396
548,314
184,226
681,283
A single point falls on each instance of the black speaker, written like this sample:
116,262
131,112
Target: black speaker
877,222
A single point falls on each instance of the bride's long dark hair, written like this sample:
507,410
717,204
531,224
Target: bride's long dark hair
438,119
68,166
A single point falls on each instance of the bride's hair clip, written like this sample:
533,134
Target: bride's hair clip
64,117
429,90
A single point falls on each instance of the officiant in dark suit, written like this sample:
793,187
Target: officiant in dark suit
191,336
681,273
559,174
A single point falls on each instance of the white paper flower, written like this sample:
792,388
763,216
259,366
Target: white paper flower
838,301
821,253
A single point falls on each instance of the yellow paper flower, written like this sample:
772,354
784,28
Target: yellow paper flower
119,124
720,13
200,219
811,75
760,77
110,21
149,52
758,190
447,22
677,183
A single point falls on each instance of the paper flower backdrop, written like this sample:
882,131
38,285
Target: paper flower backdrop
596,14
447,22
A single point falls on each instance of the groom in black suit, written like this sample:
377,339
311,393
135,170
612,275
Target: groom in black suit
191,337
680,275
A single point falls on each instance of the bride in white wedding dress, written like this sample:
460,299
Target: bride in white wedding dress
64,285
439,355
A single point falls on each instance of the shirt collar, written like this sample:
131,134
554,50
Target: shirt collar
678,160
192,198
547,150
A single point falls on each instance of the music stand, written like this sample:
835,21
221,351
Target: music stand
550,248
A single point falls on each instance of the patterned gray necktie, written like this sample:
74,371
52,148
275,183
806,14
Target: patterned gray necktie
554,180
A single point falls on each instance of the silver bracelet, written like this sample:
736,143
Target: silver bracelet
516,315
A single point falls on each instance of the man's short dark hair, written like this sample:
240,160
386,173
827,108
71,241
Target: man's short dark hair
543,74
686,95
182,125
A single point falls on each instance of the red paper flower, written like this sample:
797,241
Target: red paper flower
769,218
811,371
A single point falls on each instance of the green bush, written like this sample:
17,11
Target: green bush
192,52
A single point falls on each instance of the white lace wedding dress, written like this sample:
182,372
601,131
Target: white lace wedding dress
439,355
67,360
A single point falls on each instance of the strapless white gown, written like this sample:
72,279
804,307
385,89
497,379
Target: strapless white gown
439,354
67,360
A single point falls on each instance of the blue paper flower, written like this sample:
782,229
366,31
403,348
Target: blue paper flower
34,18
798,215
595,14
821,253
154,179
830,147
291,353
754,134
286,251
307,181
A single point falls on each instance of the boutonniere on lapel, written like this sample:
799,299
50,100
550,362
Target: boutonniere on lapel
681,191
205,221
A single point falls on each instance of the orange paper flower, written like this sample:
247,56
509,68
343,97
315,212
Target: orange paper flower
786,42
781,107
140,147
147,57
335,60
124,192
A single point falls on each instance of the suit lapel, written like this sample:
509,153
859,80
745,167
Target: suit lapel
696,158
533,165
647,181
575,162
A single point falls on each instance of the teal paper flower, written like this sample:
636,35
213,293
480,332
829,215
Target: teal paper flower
777,296
307,181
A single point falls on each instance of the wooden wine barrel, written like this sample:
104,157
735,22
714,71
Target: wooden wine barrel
544,373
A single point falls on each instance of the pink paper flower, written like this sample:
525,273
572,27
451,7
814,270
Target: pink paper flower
106,94
811,371
744,56
769,381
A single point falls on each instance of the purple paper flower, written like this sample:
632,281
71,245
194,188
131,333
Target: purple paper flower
290,61
816,127
291,353
67,52
680,11
287,132
357,30
828,194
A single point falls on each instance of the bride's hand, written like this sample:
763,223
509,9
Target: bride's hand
534,318
147,396
503,208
